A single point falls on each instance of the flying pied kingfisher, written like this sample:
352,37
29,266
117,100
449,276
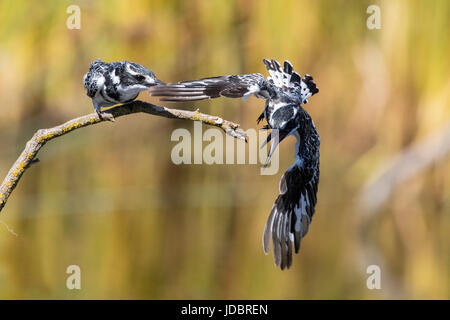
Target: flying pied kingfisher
112,83
284,91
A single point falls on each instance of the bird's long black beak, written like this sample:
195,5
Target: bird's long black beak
276,136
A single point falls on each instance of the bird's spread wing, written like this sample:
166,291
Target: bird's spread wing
308,88
293,209
233,86
242,86
287,78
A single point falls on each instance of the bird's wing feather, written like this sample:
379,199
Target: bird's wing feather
234,86
287,78
281,77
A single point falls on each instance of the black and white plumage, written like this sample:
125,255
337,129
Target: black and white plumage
112,83
284,91
293,209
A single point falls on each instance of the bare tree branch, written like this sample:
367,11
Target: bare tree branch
41,137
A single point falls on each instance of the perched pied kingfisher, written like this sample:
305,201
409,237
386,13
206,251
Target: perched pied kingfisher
284,91
117,82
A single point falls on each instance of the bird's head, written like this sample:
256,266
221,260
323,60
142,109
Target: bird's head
134,74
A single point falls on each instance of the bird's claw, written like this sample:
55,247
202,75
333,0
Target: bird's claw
106,116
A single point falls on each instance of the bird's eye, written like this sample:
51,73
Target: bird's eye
139,77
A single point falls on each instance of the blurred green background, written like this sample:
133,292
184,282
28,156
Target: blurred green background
109,199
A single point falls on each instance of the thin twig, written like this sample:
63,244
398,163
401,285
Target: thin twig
41,137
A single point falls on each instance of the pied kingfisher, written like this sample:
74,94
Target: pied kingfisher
284,91
112,83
